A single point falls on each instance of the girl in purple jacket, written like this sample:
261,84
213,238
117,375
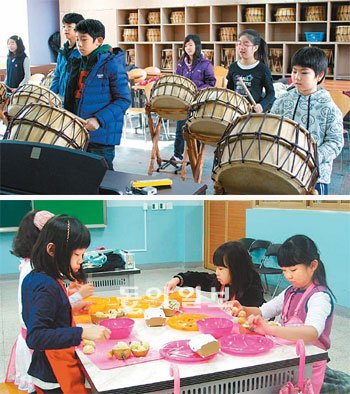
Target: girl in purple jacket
196,67
306,307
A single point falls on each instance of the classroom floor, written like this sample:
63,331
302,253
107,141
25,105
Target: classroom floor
133,155
9,322
134,152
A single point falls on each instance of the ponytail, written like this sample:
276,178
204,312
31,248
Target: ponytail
254,37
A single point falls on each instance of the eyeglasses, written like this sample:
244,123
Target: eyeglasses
245,44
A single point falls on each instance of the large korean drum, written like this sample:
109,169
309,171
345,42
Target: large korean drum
29,93
171,96
265,154
212,111
48,125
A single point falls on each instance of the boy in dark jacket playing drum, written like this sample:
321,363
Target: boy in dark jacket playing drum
98,89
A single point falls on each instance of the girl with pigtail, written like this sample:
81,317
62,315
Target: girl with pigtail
252,69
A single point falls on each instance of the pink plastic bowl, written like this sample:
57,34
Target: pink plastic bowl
120,327
216,326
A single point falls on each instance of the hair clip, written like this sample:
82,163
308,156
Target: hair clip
68,230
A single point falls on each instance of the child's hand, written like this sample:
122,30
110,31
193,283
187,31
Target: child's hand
171,285
257,324
96,333
258,108
81,307
236,307
86,290
92,124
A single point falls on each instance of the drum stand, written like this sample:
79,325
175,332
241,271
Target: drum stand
154,130
196,158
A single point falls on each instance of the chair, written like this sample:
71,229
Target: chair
220,75
247,242
265,269
257,250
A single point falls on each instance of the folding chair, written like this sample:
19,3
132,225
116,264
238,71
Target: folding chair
247,242
266,269
257,250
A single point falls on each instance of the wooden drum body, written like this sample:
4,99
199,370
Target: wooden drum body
27,94
171,96
48,125
3,93
212,111
265,154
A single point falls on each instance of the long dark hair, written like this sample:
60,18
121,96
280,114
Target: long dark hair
254,38
300,249
197,41
234,256
67,234
26,236
20,47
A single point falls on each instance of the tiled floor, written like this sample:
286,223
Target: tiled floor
9,325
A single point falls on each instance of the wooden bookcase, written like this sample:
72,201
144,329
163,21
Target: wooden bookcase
206,19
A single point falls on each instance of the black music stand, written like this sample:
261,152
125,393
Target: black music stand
35,168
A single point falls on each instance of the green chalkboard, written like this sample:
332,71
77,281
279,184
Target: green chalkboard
91,212
11,213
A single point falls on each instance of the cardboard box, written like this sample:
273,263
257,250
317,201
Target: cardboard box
154,317
205,345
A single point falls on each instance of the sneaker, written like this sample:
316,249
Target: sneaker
175,161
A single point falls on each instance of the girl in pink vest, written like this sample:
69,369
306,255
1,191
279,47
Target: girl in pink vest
306,307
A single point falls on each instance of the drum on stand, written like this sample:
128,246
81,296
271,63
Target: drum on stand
48,125
212,110
27,94
171,96
47,81
265,154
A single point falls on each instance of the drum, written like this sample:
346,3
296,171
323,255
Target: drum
276,57
342,33
315,13
212,111
171,95
27,94
227,56
209,54
265,154
133,18
47,81
329,53
167,59
153,35
48,125
228,34
343,13
3,93
177,17
254,14
130,35
153,17
285,14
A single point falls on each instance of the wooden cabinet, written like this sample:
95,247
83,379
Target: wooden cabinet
282,24
223,221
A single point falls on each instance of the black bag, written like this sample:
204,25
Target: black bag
113,261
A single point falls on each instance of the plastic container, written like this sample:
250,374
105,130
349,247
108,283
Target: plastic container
314,36
216,326
120,327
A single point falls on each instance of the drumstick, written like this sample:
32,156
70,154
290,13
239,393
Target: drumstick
247,91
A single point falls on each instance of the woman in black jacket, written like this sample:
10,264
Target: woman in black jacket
235,275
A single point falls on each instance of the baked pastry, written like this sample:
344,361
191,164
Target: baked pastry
139,349
170,307
120,351
88,349
204,344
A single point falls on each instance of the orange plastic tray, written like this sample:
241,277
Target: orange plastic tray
185,321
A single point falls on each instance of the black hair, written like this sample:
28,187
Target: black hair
311,57
92,27
234,256
72,17
67,234
26,236
197,41
300,249
254,38
20,47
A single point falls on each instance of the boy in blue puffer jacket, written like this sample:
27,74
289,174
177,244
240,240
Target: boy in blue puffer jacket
98,90
68,52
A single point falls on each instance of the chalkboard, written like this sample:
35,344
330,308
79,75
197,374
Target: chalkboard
11,213
91,212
